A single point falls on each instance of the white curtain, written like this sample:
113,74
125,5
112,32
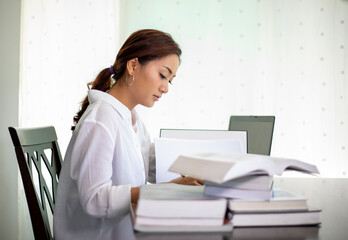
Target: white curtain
257,57
64,46
283,58
244,57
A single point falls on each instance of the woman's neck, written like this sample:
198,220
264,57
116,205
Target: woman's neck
121,92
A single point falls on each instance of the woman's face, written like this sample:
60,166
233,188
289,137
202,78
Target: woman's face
151,80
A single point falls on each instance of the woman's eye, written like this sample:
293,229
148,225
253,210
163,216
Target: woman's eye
162,76
165,78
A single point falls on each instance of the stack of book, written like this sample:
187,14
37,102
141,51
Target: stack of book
173,207
288,233
246,181
283,209
252,187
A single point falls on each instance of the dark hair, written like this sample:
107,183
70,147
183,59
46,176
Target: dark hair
146,45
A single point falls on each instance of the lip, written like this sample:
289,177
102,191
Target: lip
156,97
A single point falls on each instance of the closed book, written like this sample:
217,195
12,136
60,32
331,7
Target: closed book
291,218
251,182
227,227
179,221
286,232
174,207
238,193
282,200
178,201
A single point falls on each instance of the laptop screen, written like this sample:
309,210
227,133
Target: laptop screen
259,132
240,135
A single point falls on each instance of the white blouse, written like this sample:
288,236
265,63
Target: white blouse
108,154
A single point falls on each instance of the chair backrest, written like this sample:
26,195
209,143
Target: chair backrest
39,160
259,132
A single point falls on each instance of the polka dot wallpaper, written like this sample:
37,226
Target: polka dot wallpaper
255,57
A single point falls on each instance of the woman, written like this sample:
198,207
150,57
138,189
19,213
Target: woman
108,157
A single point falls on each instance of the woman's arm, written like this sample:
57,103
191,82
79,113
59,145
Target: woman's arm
180,180
91,168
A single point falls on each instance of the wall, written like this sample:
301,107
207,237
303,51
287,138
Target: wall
10,15
270,57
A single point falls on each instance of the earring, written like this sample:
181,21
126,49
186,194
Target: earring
130,84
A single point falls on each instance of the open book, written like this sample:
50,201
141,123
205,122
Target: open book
221,168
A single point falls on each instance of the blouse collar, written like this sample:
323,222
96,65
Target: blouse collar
97,95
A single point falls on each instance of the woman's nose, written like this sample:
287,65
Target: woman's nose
164,87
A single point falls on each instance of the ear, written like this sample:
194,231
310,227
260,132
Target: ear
131,65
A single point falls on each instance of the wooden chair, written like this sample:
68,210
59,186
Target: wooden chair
39,162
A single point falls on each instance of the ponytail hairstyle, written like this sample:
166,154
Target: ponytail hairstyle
146,45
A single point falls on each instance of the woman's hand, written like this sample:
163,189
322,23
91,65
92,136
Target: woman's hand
188,181
180,180
134,195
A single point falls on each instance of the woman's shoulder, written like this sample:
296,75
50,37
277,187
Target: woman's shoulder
101,114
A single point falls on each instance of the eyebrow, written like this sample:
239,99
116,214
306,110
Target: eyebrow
169,70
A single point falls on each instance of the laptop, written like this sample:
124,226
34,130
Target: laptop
175,142
205,134
259,132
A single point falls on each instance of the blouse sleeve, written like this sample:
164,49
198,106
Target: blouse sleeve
148,152
147,147
91,168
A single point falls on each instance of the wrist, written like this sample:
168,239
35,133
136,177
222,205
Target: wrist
135,194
